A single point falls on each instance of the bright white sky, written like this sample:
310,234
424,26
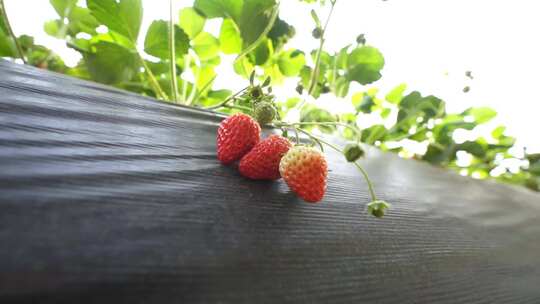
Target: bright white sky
428,44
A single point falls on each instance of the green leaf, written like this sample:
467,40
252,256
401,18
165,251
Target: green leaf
436,155
191,22
206,45
533,183
205,75
160,67
429,106
219,8
385,112
26,42
305,75
315,18
215,97
52,28
396,94
325,61
114,38
534,168
443,131
311,113
498,132
292,102
121,16
472,147
341,59
213,61
81,20
111,63
243,67
373,134
256,14
341,87
261,54
63,7
481,115
534,157
414,106
364,65
229,37
156,42
7,47
291,62
280,33
363,102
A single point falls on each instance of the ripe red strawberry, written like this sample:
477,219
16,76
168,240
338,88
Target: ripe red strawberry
304,169
236,135
262,162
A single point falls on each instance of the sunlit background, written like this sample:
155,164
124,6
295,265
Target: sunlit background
427,44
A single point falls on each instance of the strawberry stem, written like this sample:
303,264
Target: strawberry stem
356,131
315,74
20,52
317,140
296,134
368,181
237,107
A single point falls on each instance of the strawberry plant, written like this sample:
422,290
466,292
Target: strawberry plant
177,60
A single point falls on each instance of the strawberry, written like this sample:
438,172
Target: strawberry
304,169
236,136
264,112
262,162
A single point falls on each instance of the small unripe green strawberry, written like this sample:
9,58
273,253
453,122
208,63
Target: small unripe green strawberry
262,162
304,169
264,112
236,136
353,152
316,33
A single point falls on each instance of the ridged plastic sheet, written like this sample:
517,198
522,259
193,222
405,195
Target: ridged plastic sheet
110,197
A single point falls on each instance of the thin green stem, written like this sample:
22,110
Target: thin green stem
172,54
334,73
352,128
315,74
420,130
296,134
191,96
10,32
201,91
223,103
238,107
187,62
368,181
322,141
313,138
153,81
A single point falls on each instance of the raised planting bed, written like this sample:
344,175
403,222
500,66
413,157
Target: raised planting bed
109,197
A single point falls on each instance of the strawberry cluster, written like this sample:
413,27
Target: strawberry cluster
303,168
